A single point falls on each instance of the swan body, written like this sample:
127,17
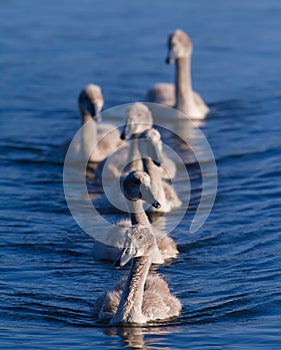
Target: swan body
180,95
95,141
141,297
162,93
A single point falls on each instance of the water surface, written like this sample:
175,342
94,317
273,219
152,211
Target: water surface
228,273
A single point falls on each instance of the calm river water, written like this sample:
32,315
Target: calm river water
228,273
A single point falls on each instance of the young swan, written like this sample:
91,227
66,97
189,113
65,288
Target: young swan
141,297
136,189
180,95
150,146
139,119
97,141
127,158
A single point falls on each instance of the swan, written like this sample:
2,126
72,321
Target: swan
95,141
149,144
139,119
136,188
141,297
179,95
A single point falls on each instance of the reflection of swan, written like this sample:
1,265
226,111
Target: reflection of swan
180,95
136,187
132,337
149,145
140,337
96,141
139,119
142,297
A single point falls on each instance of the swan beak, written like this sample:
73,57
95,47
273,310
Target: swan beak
127,131
126,255
156,204
98,118
148,196
172,56
123,133
169,60
94,110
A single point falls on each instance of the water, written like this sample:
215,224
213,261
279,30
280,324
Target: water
228,273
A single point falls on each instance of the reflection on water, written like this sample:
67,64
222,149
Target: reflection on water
139,337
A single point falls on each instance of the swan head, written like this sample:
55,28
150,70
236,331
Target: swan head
150,145
139,118
139,242
91,101
137,186
179,46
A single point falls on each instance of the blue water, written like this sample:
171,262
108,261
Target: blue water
228,274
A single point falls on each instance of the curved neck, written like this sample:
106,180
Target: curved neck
133,160
85,116
88,133
183,84
130,307
137,213
156,179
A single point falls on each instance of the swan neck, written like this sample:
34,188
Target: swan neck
130,307
85,116
133,160
183,83
137,213
88,134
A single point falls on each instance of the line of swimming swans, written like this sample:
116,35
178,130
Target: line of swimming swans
142,168
142,297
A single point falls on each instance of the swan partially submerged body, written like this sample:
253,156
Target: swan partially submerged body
141,298
96,140
179,95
